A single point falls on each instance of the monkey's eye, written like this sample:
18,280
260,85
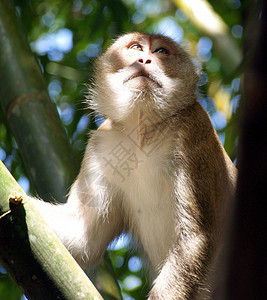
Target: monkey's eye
161,51
136,47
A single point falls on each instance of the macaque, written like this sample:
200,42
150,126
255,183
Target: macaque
155,169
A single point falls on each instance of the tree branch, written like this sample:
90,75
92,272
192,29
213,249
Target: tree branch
33,255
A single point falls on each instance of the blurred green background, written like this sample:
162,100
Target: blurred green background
66,36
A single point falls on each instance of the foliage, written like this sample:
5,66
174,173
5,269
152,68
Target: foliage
66,36
8,288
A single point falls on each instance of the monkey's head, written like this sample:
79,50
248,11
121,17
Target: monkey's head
148,72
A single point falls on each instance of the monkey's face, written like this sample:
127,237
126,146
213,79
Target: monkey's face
150,72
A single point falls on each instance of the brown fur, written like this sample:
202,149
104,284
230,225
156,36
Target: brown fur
171,190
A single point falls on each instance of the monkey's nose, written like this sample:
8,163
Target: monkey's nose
147,61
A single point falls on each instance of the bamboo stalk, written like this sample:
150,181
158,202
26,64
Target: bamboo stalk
41,138
32,254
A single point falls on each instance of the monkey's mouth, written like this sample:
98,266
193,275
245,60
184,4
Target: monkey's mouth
144,75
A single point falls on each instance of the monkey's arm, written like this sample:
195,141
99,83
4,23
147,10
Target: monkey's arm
185,268
203,185
90,219
182,273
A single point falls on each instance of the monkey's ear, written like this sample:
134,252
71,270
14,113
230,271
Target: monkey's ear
197,66
198,78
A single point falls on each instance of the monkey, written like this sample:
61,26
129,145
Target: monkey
155,169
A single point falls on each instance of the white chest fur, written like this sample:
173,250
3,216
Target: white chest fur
142,173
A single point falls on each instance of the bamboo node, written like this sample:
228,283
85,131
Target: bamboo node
15,198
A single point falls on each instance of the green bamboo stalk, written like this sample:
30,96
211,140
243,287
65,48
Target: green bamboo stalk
31,115
33,255
35,123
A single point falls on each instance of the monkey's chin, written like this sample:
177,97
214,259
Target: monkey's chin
142,83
